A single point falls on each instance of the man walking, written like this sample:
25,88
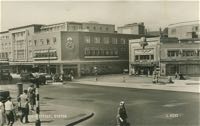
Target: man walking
122,115
9,108
24,106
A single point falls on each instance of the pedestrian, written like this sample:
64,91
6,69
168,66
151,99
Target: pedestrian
176,75
2,113
9,108
31,96
24,106
122,115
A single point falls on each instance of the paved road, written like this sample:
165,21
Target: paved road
145,107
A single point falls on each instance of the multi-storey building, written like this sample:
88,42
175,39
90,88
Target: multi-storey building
184,30
62,47
5,46
181,57
79,26
134,28
170,55
61,52
144,55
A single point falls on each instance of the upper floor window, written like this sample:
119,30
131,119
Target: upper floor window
94,28
198,52
114,40
48,42
173,31
87,39
97,40
106,40
35,42
54,40
107,29
188,53
41,41
123,41
172,53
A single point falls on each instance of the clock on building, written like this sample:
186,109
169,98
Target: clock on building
69,43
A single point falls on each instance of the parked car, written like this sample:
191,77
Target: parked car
4,95
27,76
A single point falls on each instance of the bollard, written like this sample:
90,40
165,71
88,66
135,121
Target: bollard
20,88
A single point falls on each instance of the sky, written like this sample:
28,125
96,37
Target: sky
154,14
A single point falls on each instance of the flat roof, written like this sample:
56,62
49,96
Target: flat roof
20,27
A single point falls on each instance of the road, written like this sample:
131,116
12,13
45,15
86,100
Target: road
144,107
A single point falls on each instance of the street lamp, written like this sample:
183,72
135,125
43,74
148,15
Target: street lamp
49,60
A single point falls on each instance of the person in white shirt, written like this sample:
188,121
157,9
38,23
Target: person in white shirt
9,108
24,106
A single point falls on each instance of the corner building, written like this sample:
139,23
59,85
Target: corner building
64,51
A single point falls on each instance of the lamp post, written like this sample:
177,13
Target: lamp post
49,60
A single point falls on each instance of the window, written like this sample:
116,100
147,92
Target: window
100,28
198,52
54,40
188,53
41,41
35,42
106,28
48,42
144,57
173,31
173,53
152,57
114,40
106,40
136,58
96,40
122,41
87,39
88,27
94,28
30,43
116,52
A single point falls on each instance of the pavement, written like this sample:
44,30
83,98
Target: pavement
51,112
191,84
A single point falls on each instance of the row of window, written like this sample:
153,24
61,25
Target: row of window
3,55
46,54
144,57
55,28
4,37
93,52
96,28
43,42
104,40
184,53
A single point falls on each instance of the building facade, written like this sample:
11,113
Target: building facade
80,52
180,57
5,46
144,55
184,30
68,46
134,28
